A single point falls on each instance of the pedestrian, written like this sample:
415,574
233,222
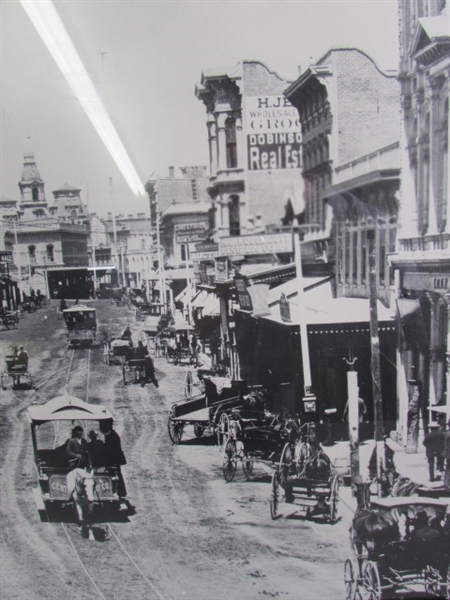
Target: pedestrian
114,454
434,444
447,456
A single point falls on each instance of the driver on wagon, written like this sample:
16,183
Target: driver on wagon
76,447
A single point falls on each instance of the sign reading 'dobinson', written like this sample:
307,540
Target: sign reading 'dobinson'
273,133
190,233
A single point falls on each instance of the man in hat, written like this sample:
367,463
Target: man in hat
96,449
434,444
126,333
76,448
22,357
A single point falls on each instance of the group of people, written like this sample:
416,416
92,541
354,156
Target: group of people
96,452
437,447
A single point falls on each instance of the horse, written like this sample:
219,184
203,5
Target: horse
371,527
81,487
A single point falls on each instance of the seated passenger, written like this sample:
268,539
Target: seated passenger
126,334
22,357
76,449
422,530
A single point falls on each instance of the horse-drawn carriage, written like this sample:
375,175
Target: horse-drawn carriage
17,373
9,319
145,309
253,435
178,349
205,411
307,478
50,424
401,546
115,350
81,324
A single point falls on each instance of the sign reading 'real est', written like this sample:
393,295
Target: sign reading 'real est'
273,133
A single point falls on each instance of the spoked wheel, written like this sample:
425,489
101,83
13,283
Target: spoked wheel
371,582
6,381
229,464
285,464
247,467
334,499
351,583
198,430
176,429
223,430
124,374
275,495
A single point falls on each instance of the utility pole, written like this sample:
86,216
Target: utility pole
375,359
352,413
309,399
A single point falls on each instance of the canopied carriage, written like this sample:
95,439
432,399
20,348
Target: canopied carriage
17,373
81,324
50,428
401,546
307,478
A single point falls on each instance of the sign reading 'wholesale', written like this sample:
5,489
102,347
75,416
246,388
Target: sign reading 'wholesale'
273,133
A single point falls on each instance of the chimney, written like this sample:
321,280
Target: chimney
299,70
171,172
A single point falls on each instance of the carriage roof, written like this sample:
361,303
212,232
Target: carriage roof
402,501
79,308
66,407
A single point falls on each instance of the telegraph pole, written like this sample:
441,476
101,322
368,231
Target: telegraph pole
375,358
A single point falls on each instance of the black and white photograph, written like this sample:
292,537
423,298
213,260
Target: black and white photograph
224,300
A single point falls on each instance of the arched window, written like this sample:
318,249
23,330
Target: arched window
32,253
230,136
234,214
35,194
50,253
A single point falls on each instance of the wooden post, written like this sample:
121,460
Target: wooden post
353,422
375,359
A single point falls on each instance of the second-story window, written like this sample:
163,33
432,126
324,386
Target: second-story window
32,253
234,214
230,137
50,253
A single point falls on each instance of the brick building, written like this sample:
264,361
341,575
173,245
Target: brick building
422,258
254,146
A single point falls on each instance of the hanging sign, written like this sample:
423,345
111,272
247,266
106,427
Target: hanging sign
245,302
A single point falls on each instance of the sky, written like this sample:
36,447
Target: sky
144,58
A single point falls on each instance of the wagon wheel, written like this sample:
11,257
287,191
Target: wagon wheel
229,460
223,430
188,384
371,582
124,373
334,499
247,466
175,430
350,580
285,464
5,379
198,430
275,495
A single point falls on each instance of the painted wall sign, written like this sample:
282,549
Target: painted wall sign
190,233
273,133
437,282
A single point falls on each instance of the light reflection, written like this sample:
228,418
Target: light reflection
46,20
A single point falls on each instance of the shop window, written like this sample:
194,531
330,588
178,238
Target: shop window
230,136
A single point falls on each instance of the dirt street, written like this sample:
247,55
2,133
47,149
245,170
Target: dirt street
189,535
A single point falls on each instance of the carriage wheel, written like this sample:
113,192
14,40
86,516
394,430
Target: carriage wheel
285,464
334,499
275,495
198,430
5,379
124,373
247,467
229,460
371,582
176,429
351,583
223,430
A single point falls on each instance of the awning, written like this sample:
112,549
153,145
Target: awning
322,312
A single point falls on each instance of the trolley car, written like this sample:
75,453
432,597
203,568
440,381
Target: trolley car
50,425
81,324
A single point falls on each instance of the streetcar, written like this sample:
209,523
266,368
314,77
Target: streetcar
81,324
50,429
